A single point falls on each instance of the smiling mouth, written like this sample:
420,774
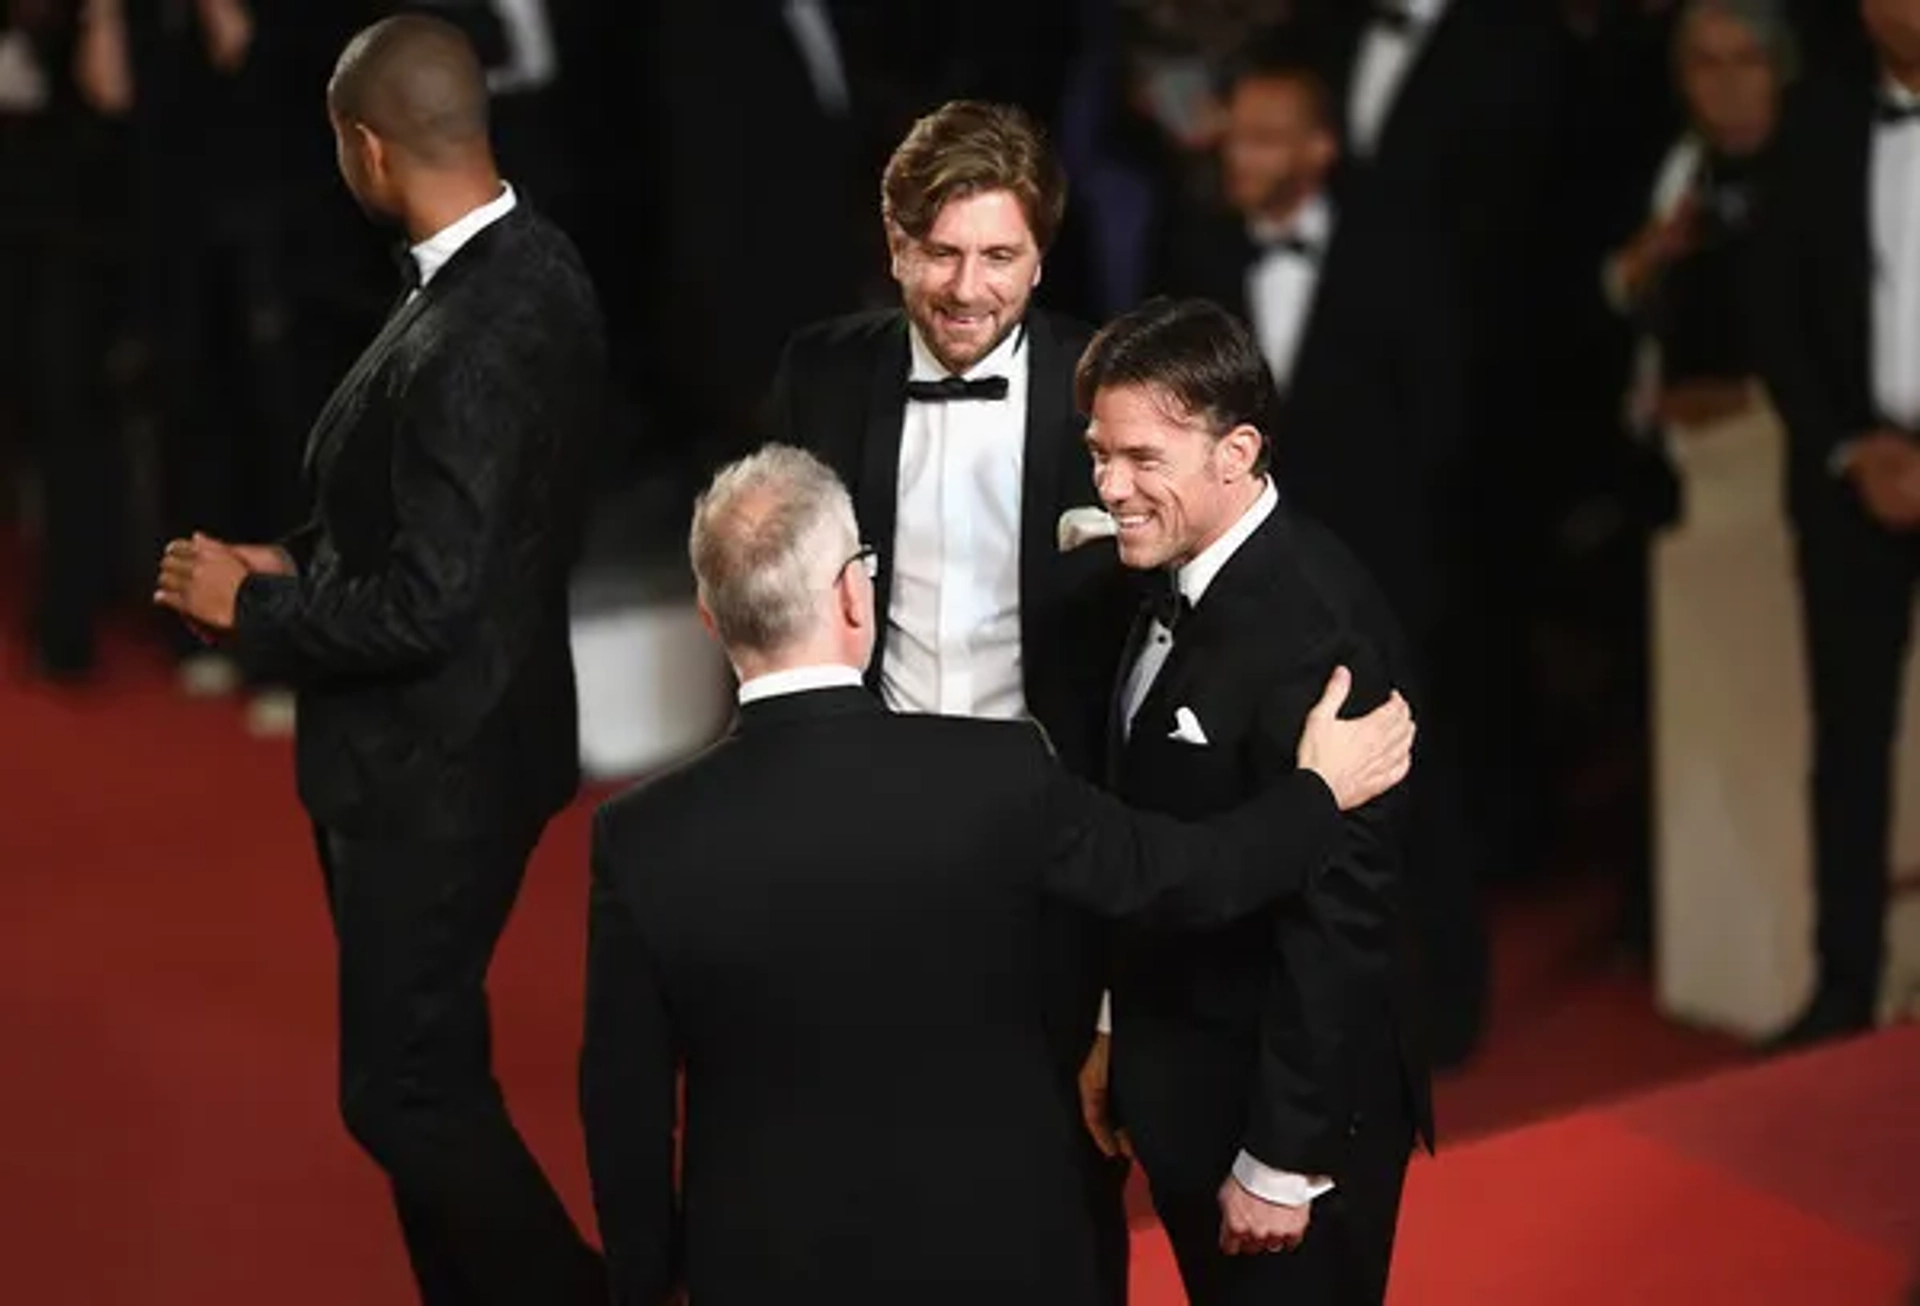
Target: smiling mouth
964,320
1132,521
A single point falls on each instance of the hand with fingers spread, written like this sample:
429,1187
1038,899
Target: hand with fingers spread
1362,758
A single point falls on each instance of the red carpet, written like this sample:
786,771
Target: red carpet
168,1015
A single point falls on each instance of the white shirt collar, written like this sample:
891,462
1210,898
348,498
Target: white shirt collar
1312,223
1894,93
797,680
1196,575
1001,362
432,253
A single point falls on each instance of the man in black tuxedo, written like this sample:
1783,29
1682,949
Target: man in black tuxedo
832,922
952,421
1839,286
422,616
1361,328
1267,1071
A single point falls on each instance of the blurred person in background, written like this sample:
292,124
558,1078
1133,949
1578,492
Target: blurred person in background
1839,346
197,82
1682,281
63,209
1452,115
423,613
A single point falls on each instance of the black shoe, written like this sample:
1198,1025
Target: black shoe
1830,1015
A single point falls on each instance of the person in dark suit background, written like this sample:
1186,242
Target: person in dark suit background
1362,327
832,921
951,419
422,616
1269,1072
1453,123
1839,347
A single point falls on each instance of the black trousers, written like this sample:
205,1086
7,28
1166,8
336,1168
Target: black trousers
1856,588
416,923
1345,1257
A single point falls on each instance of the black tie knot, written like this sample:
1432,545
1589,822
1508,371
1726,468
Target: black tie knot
407,266
1291,245
1397,17
1167,605
957,387
1893,113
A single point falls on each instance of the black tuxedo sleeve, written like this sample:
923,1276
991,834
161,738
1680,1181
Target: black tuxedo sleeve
628,1069
1118,862
1784,291
457,450
1298,1110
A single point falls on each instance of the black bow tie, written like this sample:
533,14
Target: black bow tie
1166,604
1890,112
1293,245
407,266
1396,16
957,387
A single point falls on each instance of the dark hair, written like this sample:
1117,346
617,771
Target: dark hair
1197,354
415,81
967,147
1283,57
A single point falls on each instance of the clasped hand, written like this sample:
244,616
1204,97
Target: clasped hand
200,579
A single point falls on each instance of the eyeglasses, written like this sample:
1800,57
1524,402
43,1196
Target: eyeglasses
869,559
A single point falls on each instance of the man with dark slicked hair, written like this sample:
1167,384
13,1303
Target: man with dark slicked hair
421,615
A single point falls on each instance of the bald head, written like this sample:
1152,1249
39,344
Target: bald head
416,83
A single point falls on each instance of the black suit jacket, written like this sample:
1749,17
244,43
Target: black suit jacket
1281,1032
426,631
1814,282
1466,148
833,922
841,391
1372,432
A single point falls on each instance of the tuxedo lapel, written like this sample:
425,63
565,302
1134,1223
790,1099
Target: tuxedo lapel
327,427
877,501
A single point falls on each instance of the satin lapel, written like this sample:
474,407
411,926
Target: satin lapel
1049,434
325,427
1117,701
879,494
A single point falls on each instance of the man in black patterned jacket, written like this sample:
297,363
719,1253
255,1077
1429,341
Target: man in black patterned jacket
422,616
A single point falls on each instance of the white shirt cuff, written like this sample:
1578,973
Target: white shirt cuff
1281,1187
1103,1023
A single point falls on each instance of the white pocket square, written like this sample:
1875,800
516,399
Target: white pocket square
1079,525
1186,727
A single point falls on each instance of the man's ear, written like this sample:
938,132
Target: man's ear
706,619
899,244
1239,451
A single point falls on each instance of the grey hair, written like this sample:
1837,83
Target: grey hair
766,534
1764,18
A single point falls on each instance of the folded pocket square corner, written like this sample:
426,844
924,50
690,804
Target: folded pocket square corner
1186,727
1079,526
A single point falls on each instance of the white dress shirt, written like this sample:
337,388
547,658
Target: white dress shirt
431,254
1281,283
1281,1187
1896,249
1386,56
797,680
811,27
533,57
953,617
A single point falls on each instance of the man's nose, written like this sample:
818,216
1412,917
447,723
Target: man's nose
969,280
